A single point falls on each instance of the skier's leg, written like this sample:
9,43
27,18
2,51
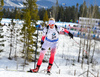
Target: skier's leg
44,48
51,59
42,53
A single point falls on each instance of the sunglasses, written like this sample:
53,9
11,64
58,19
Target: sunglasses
51,24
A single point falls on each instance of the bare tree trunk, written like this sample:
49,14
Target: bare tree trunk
88,71
16,48
53,11
79,47
83,54
10,45
93,52
86,55
25,50
79,51
89,52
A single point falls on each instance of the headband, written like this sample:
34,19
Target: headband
51,22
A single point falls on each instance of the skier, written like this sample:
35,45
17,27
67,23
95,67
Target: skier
49,40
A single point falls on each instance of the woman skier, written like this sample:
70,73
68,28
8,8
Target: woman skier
49,40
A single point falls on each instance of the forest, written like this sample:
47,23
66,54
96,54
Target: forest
60,13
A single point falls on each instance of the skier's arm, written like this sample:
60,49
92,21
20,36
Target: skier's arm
42,39
43,36
66,31
70,34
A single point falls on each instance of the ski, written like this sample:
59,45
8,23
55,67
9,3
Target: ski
49,73
15,70
44,71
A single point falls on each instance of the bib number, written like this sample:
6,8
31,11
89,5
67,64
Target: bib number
53,35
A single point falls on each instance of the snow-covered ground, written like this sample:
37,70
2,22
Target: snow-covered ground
65,64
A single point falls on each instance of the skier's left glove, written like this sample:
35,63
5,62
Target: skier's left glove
42,42
71,35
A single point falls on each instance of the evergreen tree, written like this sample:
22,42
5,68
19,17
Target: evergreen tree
30,13
18,13
1,7
14,12
12,15
8,13
57,9
61,13
76,16
33,8
45,18
72,11
41,12
83,10
67,14
97,13
4,13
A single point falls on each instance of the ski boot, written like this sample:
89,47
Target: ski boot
34,70
49,68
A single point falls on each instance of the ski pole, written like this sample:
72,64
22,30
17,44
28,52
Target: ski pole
56,64
79,46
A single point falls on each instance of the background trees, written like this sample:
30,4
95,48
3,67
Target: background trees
63,13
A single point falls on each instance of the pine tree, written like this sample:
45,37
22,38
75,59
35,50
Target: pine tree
83,10
4,13
45,18
41,12
33,8
30,13
76,16
72,11
61,10
97,12
1,7
18,13
57,9
8,13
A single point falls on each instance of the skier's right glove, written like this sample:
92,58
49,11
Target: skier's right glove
42,39
71,35
42,42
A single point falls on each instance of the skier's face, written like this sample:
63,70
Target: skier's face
51,26
51,23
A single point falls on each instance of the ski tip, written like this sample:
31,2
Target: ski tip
30,71
49,73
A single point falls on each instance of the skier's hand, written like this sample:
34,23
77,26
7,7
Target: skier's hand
42,42
71,35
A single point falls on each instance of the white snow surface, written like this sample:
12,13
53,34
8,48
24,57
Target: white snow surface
65,58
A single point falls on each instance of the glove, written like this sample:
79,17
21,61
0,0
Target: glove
71,35
42,42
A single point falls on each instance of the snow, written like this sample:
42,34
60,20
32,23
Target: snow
65,64
22,74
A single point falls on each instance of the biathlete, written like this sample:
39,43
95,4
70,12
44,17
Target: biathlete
49,40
